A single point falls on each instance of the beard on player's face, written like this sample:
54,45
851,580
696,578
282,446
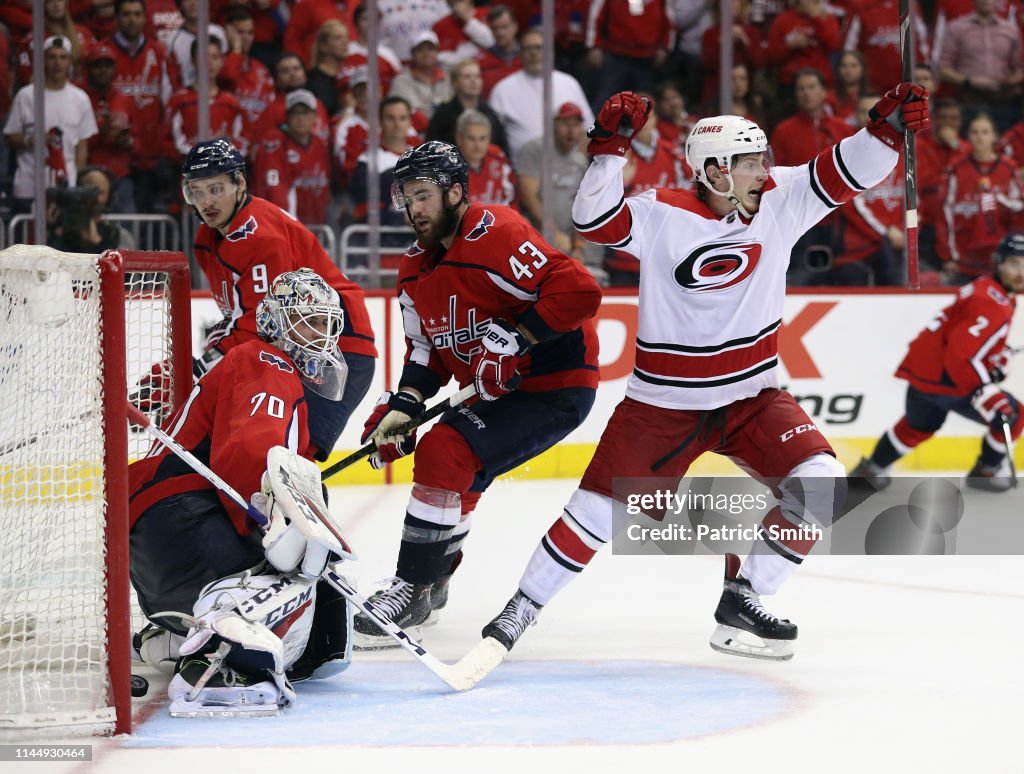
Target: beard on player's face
431,229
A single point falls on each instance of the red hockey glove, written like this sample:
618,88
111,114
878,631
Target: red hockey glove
393,410
494,365
902,108
153,392
622,115
993,404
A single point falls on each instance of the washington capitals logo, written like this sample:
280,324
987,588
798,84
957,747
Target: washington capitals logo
248,229
717,266
274,360
481,228
461,341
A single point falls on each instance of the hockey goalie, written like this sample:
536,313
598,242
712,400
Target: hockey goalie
236,614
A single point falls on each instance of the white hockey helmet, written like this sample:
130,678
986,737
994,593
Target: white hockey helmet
302,315
721,139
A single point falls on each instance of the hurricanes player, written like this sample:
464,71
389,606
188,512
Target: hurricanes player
956,364
242,244
712,285
486,301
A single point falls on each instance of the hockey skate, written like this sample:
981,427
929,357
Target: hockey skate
402,602
989,478
204,686
868,475
520,613
745,628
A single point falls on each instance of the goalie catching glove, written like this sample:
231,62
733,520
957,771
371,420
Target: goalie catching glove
298,538
902,109
622,116
393,411
494,364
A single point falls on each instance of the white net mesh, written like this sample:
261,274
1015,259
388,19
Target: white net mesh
53,599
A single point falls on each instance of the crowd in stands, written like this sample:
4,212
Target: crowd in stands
288,84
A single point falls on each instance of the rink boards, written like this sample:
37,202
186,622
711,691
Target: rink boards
838,353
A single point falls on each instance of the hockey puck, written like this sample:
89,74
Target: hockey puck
140,686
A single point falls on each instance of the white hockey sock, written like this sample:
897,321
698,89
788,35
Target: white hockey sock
568,546
766,570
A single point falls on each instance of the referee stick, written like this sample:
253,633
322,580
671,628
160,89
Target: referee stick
461,676
909,153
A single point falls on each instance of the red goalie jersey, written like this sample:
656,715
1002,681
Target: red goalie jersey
959,350
498,267
251,401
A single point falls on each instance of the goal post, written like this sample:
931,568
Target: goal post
77,332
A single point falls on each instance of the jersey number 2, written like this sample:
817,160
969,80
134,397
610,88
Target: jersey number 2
275,406
520,269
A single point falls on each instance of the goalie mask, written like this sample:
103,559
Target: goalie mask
302,315
720,139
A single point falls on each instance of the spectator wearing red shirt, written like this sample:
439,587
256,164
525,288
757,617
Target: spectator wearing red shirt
871,237
97,16
56,21
289,75
491,179
674,123
873,29
747,45
851,84
112,147
983,202
796,141
388,63
141,69
501,59
462,34
352,132
242,74
226,117
292,167
803,37
626,41
937,151
307,16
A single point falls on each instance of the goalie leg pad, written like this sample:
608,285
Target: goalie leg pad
329,649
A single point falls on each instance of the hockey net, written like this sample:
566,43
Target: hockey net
77,333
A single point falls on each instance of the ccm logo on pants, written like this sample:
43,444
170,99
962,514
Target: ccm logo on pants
796,431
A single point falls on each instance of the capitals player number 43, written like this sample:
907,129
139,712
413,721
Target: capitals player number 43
520,269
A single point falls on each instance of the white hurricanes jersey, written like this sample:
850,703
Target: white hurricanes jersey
712,289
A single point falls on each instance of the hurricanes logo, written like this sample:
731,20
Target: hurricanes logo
717,266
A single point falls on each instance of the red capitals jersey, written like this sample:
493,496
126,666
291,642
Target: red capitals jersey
961,347
275,115
183,121
934,159
388,64
873,28
143,77
869,217
250,81
294,175
824,34
251,401
628,28
498,267
981,205
263,242
115,115
494,182
350,142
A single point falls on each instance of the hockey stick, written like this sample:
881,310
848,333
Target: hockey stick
461,676
61,426
436,410
909,153
1008,438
